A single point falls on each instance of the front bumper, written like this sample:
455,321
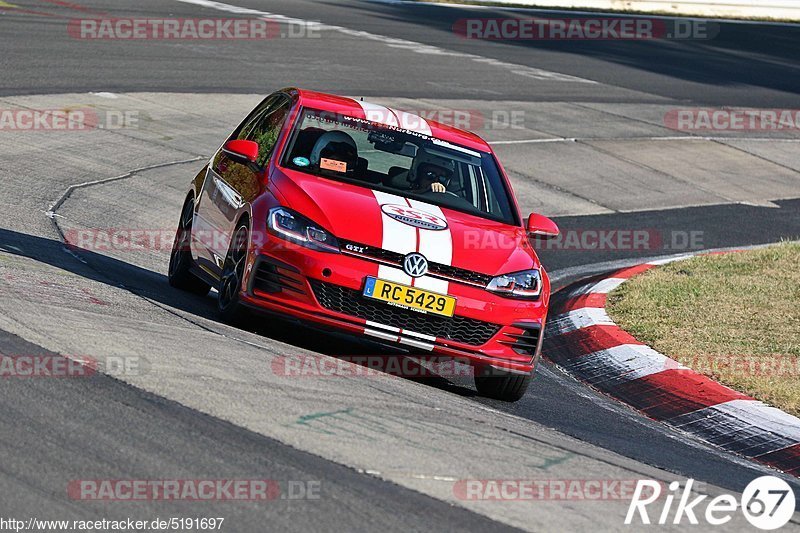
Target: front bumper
325,289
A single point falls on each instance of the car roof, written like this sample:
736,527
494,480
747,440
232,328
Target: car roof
385,115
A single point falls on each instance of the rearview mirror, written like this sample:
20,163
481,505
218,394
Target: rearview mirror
541,227
242,151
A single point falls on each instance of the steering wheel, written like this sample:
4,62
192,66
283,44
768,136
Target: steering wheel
433,194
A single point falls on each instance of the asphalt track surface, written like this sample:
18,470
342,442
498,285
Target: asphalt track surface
104,428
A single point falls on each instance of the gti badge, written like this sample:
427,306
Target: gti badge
414,217
415,265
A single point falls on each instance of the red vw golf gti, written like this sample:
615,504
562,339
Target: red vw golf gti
371,221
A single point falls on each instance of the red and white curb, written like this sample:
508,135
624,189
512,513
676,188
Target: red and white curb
584,341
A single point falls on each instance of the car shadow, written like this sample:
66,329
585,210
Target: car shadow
154,286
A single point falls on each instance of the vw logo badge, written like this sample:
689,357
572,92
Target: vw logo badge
415,265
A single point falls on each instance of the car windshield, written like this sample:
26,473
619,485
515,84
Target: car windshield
398,161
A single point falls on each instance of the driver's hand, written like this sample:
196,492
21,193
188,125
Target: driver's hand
438,187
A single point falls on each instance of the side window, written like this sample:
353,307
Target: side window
267,128
244,129
263,125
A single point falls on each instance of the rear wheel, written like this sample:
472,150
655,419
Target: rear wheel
180,260
230,309
501,385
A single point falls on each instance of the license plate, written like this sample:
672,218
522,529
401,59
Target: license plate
409,297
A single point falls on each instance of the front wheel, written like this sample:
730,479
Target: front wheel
501,385
180,260
230,309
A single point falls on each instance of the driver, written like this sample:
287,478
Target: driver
431,174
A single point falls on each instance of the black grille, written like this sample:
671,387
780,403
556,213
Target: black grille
269,278
351,302
524,343
459,273
388,256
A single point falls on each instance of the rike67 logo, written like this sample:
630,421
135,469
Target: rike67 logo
767,502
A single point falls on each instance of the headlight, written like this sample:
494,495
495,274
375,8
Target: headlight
525,284
298,229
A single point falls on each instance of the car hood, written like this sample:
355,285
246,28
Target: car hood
391,222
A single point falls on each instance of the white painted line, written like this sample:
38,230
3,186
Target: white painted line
412,46
534,141
633,139
557,11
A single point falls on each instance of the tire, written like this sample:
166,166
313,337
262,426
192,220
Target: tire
230,309
500,385
180,260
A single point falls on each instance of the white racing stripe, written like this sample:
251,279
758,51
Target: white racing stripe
396,237
419,340
393,117
372,324
422,336
410,338
413,123
436,246
381,335
416,344
378,113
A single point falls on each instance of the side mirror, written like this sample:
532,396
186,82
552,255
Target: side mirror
541,227
242,151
